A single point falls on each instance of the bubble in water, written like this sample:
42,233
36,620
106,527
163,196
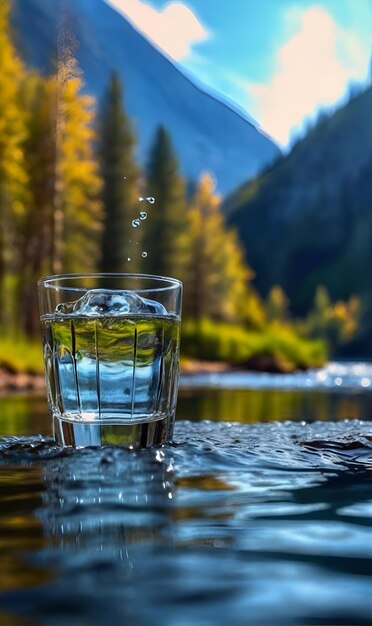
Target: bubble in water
143,215
128,259
140,199
136,223
151,200
144,254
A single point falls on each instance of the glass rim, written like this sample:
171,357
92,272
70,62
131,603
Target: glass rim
52,280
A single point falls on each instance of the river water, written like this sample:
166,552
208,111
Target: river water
259,512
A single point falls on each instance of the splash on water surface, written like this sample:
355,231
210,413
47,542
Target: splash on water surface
224,525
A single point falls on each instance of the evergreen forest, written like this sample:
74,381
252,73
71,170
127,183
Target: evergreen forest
74,199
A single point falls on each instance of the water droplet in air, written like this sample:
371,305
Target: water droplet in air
143,215
144,254
151,200
141,199
136,223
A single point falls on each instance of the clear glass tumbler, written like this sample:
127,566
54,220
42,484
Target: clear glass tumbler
111,357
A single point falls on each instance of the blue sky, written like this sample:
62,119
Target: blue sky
278,60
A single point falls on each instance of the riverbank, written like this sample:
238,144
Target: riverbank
20,381
13,381
206,348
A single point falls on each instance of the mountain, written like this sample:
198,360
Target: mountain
207,134
307,219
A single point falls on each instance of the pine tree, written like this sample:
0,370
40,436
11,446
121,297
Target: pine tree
39,94
216,278
13,176
120,184
40,151
164,232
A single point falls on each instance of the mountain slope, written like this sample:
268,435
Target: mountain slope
307,220
207,134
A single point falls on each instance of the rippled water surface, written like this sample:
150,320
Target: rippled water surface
238,524
234,523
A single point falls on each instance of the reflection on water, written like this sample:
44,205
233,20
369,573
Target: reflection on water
23,414
29,414
337,391
237,522
106,502
233,523
263,405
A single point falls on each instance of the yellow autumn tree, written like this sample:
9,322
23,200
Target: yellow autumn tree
13,175
216,277
335,322
277,304
64,218
77,211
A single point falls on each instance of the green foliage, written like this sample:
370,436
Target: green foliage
120,181
235,344
21,355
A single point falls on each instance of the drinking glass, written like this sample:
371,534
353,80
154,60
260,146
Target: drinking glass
111,357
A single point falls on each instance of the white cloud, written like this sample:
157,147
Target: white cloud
174,28
313,69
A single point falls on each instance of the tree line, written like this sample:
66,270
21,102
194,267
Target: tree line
74,199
